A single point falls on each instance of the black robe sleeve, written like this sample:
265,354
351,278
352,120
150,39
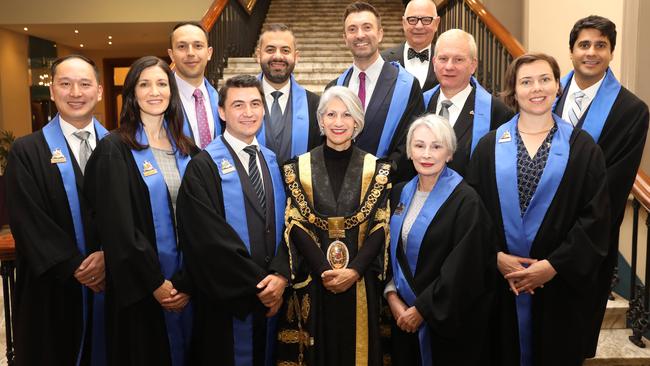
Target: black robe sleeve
121,205
36,222
215,257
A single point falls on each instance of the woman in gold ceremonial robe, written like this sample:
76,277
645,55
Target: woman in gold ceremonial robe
336,230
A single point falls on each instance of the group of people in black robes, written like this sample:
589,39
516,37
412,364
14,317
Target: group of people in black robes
489,247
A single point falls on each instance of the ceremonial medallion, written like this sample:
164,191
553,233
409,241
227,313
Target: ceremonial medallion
57,156
338,255
226,167
148,169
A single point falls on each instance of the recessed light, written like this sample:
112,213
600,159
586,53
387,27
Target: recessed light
110,37
81,45
25,29
76,31
110,42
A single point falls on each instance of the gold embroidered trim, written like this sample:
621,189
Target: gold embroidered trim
292,336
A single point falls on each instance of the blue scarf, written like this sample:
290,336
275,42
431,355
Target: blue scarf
233,201
446,184
56,142
482,111
179,325
299,123
520,232
398,104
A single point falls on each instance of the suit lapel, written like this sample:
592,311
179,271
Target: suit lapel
384,84
401,54
465,118
559,107
249,192
433,103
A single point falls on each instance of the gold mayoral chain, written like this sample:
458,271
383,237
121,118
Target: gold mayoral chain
337,252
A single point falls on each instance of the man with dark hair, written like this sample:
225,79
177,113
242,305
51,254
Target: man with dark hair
190,52
391,96
230,213
470,109
59,264
617,120
420,23
290,127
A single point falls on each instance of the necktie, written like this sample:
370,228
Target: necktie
276,111
423,56
254,175
444,109
362,89
84,149
201,119
576,109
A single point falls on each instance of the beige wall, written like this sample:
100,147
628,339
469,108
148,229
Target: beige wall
508,12
15,110
642,85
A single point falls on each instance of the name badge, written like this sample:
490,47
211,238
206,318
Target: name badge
226,167
57,157
148,169
505,137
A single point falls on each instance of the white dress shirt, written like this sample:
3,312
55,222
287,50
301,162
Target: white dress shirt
186,91
282,100
239,145
415,67
590,94
372,75
458,101
73,141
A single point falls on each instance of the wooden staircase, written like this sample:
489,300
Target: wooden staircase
318,27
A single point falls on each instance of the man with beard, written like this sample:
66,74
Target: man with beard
290,127
190,53
391,97
616,119
420,22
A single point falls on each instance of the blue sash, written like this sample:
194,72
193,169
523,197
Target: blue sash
398,104
233,201
447,182
299,122
601,105
520,232
56,141
214,103
482,111
179,325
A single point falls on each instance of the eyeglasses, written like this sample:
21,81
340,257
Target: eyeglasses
424,20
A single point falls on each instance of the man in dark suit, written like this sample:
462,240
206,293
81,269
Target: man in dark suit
290,127
617,120
391,96
190,52
420,23
231,214
470,109
59,263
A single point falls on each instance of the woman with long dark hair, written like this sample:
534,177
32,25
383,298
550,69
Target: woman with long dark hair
132,181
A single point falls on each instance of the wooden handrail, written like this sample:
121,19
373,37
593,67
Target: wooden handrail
7,247
514,47
212,14
641,189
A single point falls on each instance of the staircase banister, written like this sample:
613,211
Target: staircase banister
504,36
212,14
641,189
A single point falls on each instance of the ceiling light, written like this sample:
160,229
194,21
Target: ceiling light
81,45
110,37
76,31
110,42
25,29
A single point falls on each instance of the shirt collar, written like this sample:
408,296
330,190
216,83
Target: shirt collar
460,98
68,129
590,92
407,46
373,71
268,89
186,89
237,144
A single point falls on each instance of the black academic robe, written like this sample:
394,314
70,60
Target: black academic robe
463,127
453,282
135,325
397,54
339,327
622,141
223,273
48,312
573,237
375,117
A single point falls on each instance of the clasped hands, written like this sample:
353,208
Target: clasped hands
170,298
339,280
408,318
524,279
272,287
90,272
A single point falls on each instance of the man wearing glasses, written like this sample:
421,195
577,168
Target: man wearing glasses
420,22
